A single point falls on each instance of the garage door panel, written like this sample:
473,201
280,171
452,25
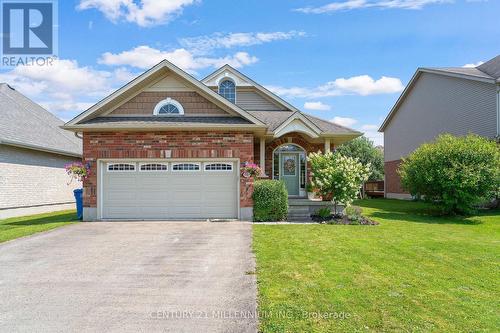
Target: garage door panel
185,179
169,194
159,181
214,180
121,183
119,196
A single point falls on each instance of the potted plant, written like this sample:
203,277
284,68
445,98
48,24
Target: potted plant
310,191
250,170
80,172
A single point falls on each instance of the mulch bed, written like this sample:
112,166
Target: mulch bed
336,219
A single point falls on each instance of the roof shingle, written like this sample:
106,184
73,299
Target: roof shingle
26,123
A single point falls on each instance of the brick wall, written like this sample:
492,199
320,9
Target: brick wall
392,180
192,102
30,178
123,145
296,139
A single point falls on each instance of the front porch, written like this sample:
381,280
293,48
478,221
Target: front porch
285,158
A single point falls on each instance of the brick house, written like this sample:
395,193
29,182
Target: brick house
169,146
453,100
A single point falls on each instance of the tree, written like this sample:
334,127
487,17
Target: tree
337,177
363,149
457,173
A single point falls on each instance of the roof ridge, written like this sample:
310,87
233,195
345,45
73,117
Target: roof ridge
345,127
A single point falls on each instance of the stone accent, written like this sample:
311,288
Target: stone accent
145,102
297,139
127,145
392,180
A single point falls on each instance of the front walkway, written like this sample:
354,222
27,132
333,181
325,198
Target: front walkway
130,277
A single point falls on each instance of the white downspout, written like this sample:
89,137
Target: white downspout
498,111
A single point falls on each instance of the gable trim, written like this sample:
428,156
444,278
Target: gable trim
141,78
315,131
259,88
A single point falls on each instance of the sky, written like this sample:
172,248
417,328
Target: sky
346,60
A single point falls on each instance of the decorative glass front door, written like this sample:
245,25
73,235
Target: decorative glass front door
290,172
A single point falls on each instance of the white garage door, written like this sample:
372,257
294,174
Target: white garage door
169,190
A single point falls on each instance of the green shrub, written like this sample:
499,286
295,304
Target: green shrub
270,201
324,212
457,173
353,213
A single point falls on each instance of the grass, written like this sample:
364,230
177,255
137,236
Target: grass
26,225
414,272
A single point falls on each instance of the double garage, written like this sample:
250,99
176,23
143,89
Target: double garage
169,190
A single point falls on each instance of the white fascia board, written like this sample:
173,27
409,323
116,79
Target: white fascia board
297,122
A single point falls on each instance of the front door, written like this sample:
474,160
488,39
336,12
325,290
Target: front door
290,172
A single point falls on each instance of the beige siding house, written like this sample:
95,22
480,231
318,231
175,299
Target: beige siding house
33,152
440,100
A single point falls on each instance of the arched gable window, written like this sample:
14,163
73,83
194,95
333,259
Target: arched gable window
227,89
168,107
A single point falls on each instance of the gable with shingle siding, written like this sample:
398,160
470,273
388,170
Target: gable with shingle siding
192,102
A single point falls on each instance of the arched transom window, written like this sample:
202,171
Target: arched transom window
227,89
168,107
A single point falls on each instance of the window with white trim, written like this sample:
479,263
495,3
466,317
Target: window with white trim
227,89
186,167
219,166
153,167
168,107
121,167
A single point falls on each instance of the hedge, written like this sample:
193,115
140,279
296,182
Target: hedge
270,201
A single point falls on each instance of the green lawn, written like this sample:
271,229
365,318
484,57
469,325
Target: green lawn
23,226
413,272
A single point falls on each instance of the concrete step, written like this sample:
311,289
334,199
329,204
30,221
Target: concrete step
299,218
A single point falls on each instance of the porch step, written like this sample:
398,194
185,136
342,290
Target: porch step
300,209
298,213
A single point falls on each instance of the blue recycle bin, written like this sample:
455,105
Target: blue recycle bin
79,202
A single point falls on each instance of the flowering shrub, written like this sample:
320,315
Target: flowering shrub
337,177
78,171
250,170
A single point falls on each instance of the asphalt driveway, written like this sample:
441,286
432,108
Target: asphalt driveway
130,277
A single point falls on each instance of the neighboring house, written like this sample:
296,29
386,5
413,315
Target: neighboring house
168,146
440,100
33,152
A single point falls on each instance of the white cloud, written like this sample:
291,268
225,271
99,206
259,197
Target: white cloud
371,132
65,87
479,63
319,106
360,4
358,85
145,57
344,121
143,12
219,40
